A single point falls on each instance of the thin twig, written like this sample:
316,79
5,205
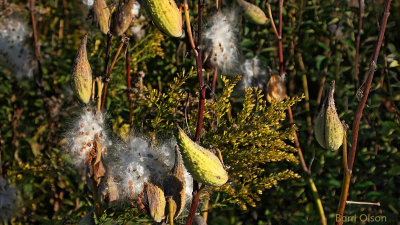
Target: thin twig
272,21
199,65
363,203
108,75
202,97
358,114
367,85
188,27
128,84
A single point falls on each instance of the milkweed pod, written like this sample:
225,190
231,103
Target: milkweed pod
82,74
122,17
102,15
202,164
276,89
328,129
156,201
253,12
174,185
165,15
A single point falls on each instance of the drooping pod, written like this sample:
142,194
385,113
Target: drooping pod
122,17
328,128
276,89
202,164
253,12
82,74
102,15
165,15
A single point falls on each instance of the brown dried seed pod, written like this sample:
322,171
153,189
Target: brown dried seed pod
82,74
156,201
174,185
102,15
122,17
276,89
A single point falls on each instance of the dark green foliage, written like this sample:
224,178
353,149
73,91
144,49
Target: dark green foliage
253,136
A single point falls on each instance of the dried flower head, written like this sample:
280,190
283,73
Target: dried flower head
221,42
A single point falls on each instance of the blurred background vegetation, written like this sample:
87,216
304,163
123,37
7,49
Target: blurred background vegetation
319,44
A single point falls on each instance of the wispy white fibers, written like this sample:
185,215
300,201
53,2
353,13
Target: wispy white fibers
139,162
87,130
136,9
88,3
15,53
8,199
221,42
253,74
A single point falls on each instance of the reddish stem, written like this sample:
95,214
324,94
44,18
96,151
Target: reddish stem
193,207
199,64
128,84
367,85
107,77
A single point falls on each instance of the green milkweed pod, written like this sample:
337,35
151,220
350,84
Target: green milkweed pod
253,12
82,74
165,15
102,15
122,17
328,129
202,164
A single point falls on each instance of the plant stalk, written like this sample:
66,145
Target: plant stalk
365,87
108,75
128,84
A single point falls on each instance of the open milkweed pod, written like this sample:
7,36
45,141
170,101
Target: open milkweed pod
82,74
122,17
156,201
328,128
202,164
102,15
165,15
174,185
276,89
253,12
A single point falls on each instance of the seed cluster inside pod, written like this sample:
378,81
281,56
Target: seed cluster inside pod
221,42
254,75
139,162
88,130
